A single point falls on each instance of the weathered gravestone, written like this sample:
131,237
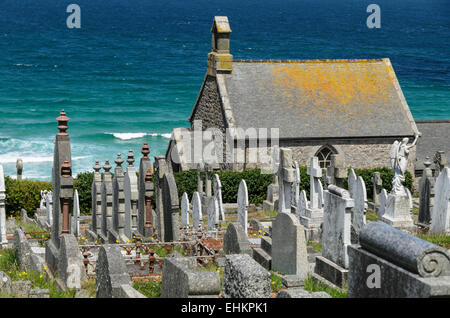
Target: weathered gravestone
197,211
390,263
289,255
107,201
351,182
19,168
199,178
242,202
49,207
117,233
360,200
377,183
76,214
161,169
217,186
286,177
144,165
295,192
440,162
3,240
171,208
43,200
71,268
440,220
149,193
96,224
336,172
184,210
271,202
130,188
333,263
245,278
426,187
302,204
383,199
213,214
235,240
62,182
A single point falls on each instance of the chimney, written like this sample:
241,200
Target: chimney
220,60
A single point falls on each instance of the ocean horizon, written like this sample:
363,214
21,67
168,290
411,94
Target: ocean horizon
133,71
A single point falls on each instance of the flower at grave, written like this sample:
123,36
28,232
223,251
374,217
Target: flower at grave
218,270
259,231
273,283
45,268
117,241
40,276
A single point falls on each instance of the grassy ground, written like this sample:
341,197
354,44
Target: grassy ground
276,283
150,288
90,287
371,216
315,245
314,286
441,240
9,265
33,231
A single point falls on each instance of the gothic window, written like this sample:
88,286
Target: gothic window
324,156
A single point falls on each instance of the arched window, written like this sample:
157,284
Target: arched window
324,155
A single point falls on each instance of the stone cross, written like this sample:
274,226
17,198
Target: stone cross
336,225
383,199
336,172
213,214
144,165
208,180
377,184
360,201
315,173
217,186
130,187
440,219
118,203
184,210
107,200
19,168
76,214
49,207
3,239
351,182
199,178
97,199
295,192
286,176
197,211
426,184
242,203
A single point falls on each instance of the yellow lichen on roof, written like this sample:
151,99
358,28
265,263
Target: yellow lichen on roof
341,88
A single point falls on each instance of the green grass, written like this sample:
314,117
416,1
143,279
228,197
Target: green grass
275,283
9,265
270,214
162,252
90,287
150,289
315,245
415,211
314,286
439,239
372,216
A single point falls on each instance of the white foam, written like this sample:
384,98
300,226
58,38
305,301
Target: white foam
8,158
128,136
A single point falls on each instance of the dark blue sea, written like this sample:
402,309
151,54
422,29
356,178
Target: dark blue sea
133,70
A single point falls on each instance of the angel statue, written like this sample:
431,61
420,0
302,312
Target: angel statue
399,161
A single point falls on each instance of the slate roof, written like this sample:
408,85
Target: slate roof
319,98
435,137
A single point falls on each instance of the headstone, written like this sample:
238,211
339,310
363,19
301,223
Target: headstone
440,161
71,268
130,187
397,211
144,165
149,193
286,177
184,210
213,214
112,272
19,168
217,186
289,255
302,204
351,182
426,186
76,214
383,199
295,192
208,189
117,234
3,240
271,202
359,211
43,199
107,200
171,207
97,199
336,172
235,240
199,178
440,219
377,184
242,202
49,207
196,211
161,168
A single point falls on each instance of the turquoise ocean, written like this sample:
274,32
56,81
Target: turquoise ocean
133,71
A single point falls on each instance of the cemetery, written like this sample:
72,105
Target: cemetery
155,233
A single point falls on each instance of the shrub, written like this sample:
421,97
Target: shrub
83,183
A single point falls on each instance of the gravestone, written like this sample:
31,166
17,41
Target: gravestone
130,188
440,219
149,193
333,263
302,204
235,240
383,199
161,168
336,172
286,177
295,193
117,233
289,255
313,217
242,203
107,201
199,178
19,168
360,201
197,211
217,186
351,182
49,207
271,202
397,211
426,187
213,214
76,214
3,240
184,210
144,165
97,199
43,199
440,162
62,183
71,268
377,184
171,208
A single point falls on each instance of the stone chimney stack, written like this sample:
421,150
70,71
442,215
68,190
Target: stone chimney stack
220,60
